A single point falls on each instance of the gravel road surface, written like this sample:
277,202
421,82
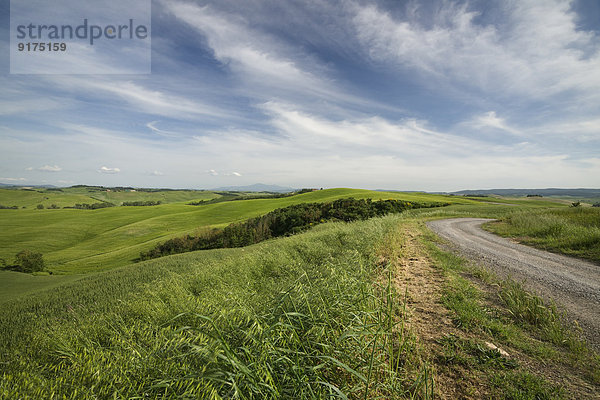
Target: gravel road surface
572,283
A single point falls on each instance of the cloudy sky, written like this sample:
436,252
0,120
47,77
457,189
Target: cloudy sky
408,95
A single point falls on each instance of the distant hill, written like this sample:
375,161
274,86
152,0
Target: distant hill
257,187
13,185
550,192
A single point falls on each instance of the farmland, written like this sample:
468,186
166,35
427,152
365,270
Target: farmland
83,241
337,311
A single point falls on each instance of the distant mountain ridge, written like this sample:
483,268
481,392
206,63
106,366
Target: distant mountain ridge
579,192
257,187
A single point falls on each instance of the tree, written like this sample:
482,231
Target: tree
29,261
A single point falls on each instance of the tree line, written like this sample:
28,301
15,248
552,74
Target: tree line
141,203
282,222
93,206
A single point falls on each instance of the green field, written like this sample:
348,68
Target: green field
17,284
314,315
68,197
83,241
574,230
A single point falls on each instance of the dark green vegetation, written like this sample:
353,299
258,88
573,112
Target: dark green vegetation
141,203
283,221
81,206
27,261
574,231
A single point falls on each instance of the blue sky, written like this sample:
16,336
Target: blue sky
408,95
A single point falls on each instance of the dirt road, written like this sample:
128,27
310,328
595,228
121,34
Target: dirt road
572,283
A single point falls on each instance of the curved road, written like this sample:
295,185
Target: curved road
572,283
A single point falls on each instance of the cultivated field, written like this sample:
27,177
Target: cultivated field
368,309
82,241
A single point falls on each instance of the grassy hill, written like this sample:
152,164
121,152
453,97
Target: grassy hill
68,197
82,241
370,309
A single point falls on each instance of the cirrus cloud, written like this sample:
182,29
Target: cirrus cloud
107,170
50,168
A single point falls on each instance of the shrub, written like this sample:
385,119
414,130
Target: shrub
576,204
40,207
281,222
141,203
94,206
29,261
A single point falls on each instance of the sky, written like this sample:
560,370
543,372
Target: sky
406,95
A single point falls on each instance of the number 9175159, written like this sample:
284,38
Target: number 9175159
41,46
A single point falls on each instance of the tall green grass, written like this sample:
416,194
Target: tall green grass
298,317
573,231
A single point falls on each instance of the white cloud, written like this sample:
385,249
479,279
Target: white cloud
217,173
489,120
141,96
50,168
156,101
376,153
263,62
152,126
538,52
107,170
13,179
234,42
28,106
156,173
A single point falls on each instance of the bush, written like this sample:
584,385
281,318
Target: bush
141,203
576,204
29,261
40,206
281,222
94,206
